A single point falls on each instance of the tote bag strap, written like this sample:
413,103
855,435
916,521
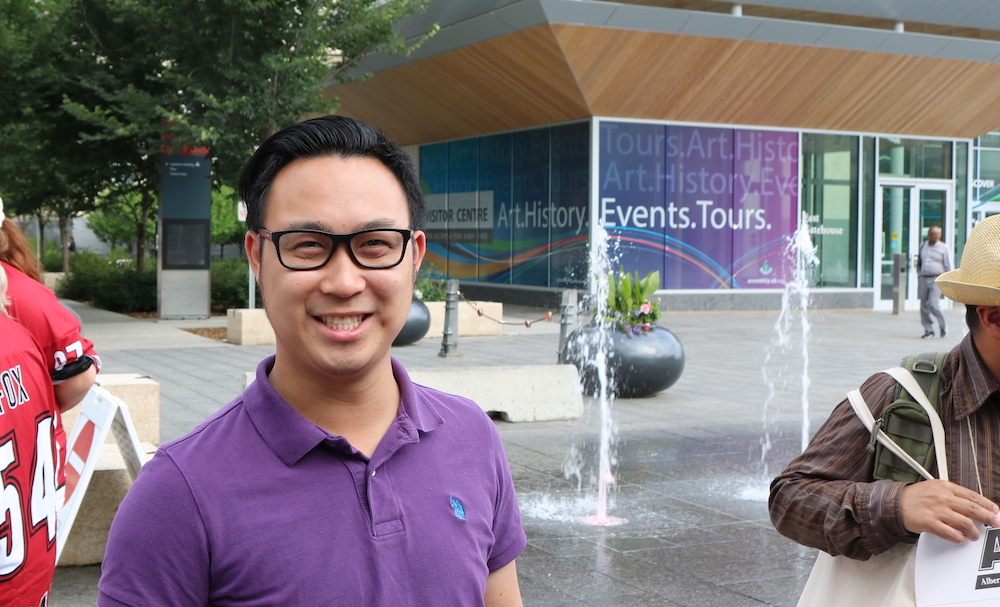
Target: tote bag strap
864,413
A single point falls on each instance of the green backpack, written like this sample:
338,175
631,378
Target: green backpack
906,422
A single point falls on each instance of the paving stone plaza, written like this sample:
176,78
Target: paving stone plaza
691,468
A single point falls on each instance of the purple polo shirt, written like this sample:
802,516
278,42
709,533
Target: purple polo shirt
258,506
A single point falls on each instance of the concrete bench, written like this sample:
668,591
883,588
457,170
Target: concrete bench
470,323
141,394
111,481
528,393
248,327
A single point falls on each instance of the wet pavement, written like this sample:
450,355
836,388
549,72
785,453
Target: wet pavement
692,463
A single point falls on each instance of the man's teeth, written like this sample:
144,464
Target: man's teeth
342,322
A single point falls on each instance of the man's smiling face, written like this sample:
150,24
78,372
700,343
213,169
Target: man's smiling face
339,319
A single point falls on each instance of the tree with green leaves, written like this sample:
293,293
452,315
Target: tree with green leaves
44,170
162,76
114,222
226,226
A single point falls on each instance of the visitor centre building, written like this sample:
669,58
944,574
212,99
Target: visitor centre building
694,138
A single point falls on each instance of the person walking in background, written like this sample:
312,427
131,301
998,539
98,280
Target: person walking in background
933,260
29,461
333,479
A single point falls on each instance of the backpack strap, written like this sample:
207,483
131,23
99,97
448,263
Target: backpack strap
926,369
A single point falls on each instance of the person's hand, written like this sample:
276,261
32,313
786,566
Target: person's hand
947,510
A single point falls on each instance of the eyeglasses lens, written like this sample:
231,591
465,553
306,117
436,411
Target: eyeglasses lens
371,249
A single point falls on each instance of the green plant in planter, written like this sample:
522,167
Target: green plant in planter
629,307
428,288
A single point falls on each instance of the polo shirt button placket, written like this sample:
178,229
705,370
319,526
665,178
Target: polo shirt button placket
386,514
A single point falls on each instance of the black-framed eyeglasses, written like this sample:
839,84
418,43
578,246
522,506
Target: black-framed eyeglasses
376,249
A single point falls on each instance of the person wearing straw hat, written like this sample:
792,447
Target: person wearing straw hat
827,498
29,456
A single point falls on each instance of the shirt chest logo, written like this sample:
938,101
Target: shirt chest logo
458,507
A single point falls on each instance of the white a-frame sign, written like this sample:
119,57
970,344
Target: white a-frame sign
100,414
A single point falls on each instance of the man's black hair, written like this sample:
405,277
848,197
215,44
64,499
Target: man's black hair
319,137
972,318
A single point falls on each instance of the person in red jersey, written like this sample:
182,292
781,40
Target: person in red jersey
29,417
72,362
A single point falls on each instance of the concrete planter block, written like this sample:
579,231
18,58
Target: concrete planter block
246,327
528,393
107,488
470,324
140,394
52,279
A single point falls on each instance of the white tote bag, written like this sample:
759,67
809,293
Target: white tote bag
885,580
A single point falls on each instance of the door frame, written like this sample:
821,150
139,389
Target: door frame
915,186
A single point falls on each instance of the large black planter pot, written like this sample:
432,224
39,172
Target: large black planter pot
639,365
418,322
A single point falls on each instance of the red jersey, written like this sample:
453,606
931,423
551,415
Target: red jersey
28,456
54,327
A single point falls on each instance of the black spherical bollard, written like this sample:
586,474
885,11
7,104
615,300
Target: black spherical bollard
418,322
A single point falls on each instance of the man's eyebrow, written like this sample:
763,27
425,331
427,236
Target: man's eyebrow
371,224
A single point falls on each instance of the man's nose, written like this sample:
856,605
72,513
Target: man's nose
342,276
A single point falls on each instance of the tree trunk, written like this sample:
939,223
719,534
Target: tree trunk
141,237
40,245
64,239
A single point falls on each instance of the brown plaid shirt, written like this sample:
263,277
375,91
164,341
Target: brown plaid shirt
826,497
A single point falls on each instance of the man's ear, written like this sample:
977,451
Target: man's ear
989,320
252,246
419,249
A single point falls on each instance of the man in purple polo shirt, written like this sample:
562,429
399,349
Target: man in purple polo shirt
333,479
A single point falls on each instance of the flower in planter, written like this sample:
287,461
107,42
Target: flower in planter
629,307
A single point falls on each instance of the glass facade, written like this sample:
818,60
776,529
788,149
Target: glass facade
985,193
867,212
510,208
914,158
830,202
961,198
708,207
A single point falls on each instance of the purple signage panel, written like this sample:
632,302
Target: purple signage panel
699,184
765,207
632,207
714,208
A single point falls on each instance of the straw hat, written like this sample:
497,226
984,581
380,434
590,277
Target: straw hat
977,282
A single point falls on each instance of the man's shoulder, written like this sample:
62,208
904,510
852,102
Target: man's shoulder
217,436
446,401
456,413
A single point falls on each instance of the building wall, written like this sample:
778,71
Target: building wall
711,208
510,208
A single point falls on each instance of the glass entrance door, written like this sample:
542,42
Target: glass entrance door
908,211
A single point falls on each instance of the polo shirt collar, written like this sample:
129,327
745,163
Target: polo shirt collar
291,436
413,405
974,380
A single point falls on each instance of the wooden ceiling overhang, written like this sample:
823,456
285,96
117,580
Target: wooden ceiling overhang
557,73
